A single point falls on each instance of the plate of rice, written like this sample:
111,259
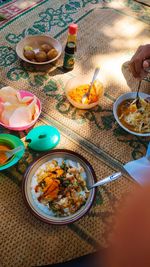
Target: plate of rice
55,187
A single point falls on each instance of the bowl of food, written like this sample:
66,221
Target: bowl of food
39,49
55,187
19,109
77,87
132,119
8,142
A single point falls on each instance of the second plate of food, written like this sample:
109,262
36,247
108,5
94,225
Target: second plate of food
132,119
55,187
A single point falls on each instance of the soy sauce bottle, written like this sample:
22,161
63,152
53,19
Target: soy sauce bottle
70,48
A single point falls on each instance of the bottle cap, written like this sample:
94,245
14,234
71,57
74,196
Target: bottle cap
73,28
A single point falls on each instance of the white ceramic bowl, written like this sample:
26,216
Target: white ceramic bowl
35,42
78,81
120,99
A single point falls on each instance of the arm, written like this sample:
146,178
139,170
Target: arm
131,239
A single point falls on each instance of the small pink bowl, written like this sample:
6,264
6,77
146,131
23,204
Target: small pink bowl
23,94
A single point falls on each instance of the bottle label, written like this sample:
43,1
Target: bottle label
72,39
69,60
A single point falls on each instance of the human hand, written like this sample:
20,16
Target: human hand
140,61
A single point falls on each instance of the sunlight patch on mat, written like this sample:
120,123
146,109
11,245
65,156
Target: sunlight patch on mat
125,28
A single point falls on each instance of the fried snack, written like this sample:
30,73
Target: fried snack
52,54
29,54
41,56
28,48
46,48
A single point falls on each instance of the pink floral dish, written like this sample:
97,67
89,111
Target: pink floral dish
18,117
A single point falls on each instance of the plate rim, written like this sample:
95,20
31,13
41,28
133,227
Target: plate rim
115,105
25,177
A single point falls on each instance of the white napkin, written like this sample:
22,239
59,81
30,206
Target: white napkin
140,169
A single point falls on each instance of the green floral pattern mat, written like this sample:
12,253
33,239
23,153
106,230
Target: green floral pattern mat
93,133
97,127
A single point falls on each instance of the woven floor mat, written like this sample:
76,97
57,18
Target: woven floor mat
132,8
144,2
29,242
110,45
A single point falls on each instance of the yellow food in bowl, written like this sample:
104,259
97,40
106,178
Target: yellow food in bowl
78,92
3,157
4,147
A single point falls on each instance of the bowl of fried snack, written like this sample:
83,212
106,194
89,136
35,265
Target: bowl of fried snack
39,49
78,86
19,109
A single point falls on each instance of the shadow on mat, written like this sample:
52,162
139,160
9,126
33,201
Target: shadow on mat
91,260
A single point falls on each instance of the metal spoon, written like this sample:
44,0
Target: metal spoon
106,180
86,95
137,100
9,153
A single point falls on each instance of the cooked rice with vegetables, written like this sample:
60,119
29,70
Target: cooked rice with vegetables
61,187
135,119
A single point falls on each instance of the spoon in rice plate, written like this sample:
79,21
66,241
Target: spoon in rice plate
106,180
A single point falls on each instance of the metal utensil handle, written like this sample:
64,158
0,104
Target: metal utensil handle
137,93
94,77
95,74
15,150
107,179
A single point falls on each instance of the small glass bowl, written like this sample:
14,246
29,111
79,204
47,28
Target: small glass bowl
78,81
